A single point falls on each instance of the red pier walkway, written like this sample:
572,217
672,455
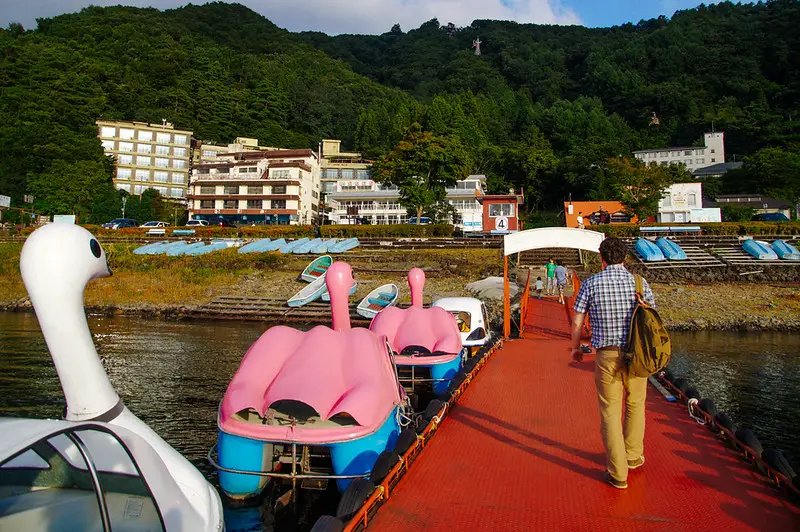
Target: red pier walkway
521,450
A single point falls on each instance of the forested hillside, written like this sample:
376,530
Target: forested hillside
541,108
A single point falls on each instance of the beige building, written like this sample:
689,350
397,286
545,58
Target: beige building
270,186
693,157
148,156
340,166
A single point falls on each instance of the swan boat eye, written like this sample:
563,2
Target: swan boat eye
96,250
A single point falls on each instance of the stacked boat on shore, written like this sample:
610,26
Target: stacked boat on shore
778,250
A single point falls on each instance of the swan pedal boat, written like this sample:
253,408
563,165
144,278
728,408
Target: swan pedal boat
311,406
426,343
101,468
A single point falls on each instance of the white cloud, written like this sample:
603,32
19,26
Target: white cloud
334,16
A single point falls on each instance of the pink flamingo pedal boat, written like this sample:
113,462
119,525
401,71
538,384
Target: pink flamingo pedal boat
426,342
309,406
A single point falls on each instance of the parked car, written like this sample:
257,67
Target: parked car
120,223
222,222
423,220
197,223
151,225
770,217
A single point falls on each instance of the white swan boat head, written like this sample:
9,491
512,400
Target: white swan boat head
101,447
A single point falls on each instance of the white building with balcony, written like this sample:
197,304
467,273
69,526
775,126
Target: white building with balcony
257,187
694,157
148,156
351,200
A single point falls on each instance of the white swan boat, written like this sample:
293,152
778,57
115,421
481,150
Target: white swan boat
102,468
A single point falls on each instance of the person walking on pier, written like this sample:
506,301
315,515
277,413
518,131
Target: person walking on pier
561,280
610,298
550,268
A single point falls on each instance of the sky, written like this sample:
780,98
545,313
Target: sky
377,16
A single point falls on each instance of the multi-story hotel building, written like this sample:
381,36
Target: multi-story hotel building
338,165
693,157
257,187
379,204
148,156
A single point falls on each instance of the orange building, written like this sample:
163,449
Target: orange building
501,212
588,208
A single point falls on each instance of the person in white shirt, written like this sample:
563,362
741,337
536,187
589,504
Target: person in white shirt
580,220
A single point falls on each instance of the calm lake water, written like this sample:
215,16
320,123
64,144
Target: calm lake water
173,375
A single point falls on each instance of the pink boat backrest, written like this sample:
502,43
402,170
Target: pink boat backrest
433,328
334,371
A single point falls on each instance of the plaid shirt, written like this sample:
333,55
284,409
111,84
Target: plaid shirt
610,297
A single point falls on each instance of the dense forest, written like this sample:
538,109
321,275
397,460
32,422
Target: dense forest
542,108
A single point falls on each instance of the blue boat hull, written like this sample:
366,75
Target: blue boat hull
670,249
442,374
759,250
354,457
254,247
344,245
649,251
785,250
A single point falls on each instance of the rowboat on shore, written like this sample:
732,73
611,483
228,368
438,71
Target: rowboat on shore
344,245
306,246
670,249
377,300
316,268
254,247
273,246
309,293
649,251
785,250
759,250
289,246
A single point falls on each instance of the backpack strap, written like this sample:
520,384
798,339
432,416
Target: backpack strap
640,290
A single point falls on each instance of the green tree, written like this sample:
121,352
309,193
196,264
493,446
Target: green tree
771,171
637,186
69,187
423,165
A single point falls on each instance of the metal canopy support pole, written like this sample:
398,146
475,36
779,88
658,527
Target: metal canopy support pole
506,300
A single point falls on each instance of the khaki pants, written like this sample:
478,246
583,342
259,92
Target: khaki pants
622,444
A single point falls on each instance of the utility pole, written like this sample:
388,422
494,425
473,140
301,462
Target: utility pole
124,201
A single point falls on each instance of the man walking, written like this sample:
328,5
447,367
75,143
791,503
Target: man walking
550,268
610,297
561,280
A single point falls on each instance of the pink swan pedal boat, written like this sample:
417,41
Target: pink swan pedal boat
321,404
426,341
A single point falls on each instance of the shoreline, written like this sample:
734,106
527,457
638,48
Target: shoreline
683,308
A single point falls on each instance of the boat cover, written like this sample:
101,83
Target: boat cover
331,371
433,328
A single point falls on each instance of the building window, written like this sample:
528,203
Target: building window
178,178
161,162
202,170
108,145
328,186
125,146
280,174
138,189
207,204
124,186
179,163
348,173
163,138
208,190
144,148
123,173
687,162
666,201
713,160
687,153
230,204
143,160
231,189
145,135
209,153
362,174
161,190
692,200
162,150
248,169
223,170
160,176
142,175
176,192
254,204
179,152
125,133
278,204
108,131
713,151
279,189
330,173
700,161
180,139
501,209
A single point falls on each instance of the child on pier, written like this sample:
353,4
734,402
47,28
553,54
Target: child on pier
539,287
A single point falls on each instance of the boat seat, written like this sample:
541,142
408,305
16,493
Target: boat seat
385,295
380,302
317,269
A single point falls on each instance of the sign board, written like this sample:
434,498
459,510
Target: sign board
64,218
5,201
501,223
705,215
